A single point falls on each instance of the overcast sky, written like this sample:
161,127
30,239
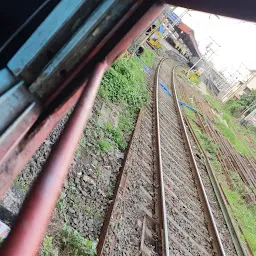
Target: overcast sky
236,38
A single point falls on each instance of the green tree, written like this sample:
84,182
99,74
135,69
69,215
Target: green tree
237,106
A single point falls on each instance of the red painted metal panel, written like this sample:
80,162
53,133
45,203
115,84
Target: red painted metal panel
30,144
27,234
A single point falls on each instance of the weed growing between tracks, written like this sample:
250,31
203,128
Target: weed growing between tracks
239,136
206,142
245,215
242,211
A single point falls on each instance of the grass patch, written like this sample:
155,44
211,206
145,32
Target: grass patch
73,243
205,141
126,122
104,146
18,182
228,133
208,145
244,214
233,129
240,197
189,113
125,83
48,248
69,242
193,80
115,134
215,104
148,57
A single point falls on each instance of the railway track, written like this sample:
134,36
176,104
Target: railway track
161,204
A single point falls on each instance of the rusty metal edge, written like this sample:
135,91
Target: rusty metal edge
120,183
219,194
216,242
18,159
26,236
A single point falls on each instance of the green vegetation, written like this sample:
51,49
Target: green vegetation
73,243
230,128
239,196
103,146
126,122
125,83
111,188
47,247
89,210
147,57
205,141
115,134
229,133
236,107
215,104
97,172
244,214
124,89
19,182
193,79
69,242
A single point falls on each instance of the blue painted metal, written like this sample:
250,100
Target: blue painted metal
80,44
7,80
161,29
18,128
187,106
44,33
12,103
180,102
165,89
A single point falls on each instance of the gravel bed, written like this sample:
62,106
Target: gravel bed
89,186
195,240
124,233
217,213
215,207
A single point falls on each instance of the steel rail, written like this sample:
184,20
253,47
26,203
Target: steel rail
165,241
212,228
220,197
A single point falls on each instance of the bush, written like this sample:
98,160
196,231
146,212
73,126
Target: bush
75,244
104,146
235,108
147,57
208,145
116,135
125,83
